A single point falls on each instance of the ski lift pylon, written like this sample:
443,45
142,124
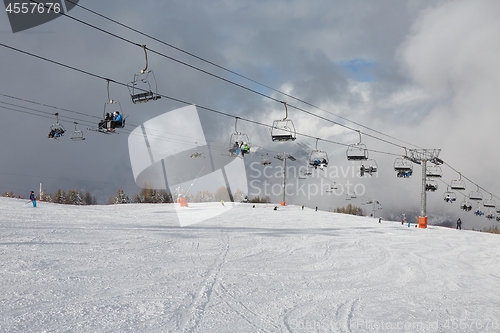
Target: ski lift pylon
77,135
357,151
144,87
283,129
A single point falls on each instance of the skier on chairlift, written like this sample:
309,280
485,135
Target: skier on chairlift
116,122
235,150
103,124
245,149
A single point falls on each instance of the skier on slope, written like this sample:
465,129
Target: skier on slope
33,198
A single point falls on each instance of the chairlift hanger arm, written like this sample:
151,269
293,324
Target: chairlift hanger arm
236,126
286,111
107,89
359,132
146,55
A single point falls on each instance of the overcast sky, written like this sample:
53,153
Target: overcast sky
423,72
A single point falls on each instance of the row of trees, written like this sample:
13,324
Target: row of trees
351,209
71,197
149,195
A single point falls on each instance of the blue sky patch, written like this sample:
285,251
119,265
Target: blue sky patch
358,69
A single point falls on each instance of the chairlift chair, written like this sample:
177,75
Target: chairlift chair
197,153
479,210
357,151
434,172
77,135
265,160
458,184
490,203
306,173
318,158
283,129
332,188
110,107
449,196
56,130
465,205
431,185
367,202
368,167
144,87
476,195
238,141
403,167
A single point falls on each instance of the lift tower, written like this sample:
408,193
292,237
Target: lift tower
422,156
283,157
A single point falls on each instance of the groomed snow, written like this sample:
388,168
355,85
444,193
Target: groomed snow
132,268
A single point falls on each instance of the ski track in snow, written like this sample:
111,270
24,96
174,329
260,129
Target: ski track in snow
132,268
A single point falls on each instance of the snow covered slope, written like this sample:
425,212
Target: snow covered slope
132,268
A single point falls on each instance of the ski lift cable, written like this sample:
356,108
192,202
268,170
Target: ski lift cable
168,97
233,72
184,102
49,115
45,105
187,191
217,76
181,101
463,176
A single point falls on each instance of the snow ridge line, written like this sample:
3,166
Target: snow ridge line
200,302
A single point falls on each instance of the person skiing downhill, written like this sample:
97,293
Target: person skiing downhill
33,198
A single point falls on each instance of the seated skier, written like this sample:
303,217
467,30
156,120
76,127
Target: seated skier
116,122
235,150
55,133
103,124
316,163
245,149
